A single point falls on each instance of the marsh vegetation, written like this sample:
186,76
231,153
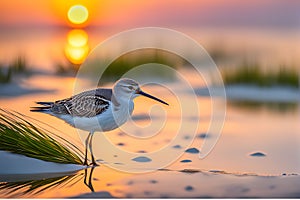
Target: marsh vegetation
253,74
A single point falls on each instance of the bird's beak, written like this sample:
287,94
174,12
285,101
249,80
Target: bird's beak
150,96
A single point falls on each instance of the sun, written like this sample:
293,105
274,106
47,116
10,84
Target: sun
78,14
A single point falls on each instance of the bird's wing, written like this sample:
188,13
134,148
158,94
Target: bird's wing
85,104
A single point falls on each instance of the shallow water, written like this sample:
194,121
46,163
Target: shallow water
230,170
257,154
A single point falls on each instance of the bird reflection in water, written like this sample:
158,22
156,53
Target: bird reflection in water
28,187
89,184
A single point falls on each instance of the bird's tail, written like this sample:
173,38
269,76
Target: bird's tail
46,106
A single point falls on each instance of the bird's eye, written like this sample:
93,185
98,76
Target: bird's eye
131,87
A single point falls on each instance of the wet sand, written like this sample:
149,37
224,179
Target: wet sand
199,184
165,183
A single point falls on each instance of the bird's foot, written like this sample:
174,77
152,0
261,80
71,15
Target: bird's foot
85,163
94,164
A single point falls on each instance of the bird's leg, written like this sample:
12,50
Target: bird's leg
86,148
91,150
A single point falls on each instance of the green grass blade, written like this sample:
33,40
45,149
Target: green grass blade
18,135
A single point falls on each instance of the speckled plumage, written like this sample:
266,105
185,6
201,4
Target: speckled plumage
85,104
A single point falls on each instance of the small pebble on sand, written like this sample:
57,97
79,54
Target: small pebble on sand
192,150
141,159
177,146
185,161
258,154
189,188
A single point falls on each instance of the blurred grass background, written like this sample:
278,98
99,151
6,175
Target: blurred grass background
254,74
17,66
246,73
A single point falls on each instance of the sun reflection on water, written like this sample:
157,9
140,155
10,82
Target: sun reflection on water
77,47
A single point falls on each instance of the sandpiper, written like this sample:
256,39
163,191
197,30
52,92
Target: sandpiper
97,110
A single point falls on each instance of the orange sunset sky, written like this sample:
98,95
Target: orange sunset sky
134,13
